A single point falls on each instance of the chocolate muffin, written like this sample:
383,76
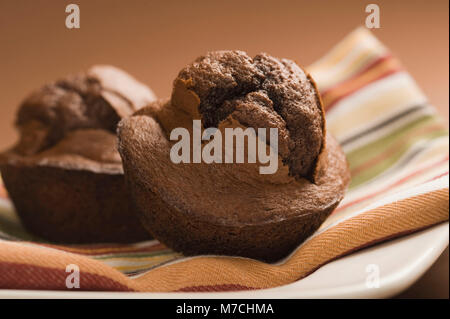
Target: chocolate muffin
230,208
65,175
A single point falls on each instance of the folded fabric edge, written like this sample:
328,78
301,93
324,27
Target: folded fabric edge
27,266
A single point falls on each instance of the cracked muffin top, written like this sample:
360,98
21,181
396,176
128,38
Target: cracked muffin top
73,121
263,91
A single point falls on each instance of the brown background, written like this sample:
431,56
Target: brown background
153,40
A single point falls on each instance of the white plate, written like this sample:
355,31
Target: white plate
399,263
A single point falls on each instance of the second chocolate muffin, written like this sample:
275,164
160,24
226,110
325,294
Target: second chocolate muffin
65,176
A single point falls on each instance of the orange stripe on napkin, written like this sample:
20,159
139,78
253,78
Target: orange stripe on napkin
382,67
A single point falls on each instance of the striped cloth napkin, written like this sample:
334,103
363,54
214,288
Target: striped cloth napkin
397,148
